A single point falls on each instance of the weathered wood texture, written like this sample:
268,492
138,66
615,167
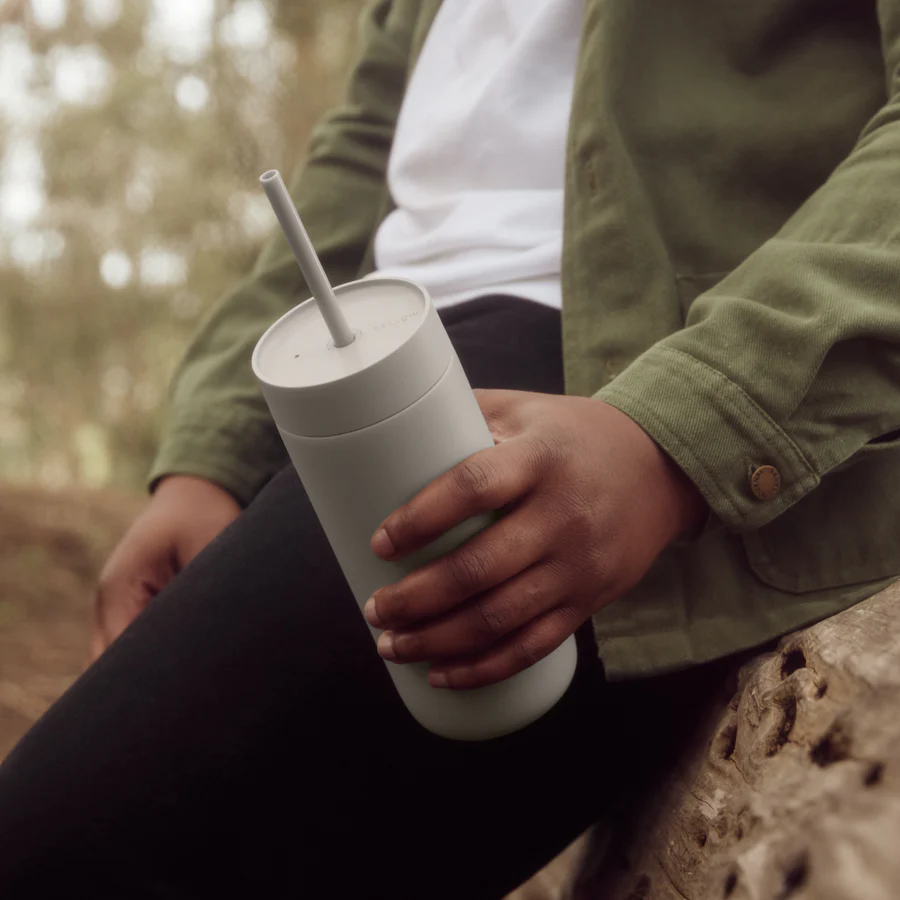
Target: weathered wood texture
791,792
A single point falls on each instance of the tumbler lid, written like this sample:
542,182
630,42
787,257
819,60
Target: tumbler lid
316,389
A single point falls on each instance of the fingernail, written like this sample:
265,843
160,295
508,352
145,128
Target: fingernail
386,646
438,680
383,545
371,614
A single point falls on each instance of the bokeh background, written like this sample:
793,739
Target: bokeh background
132,135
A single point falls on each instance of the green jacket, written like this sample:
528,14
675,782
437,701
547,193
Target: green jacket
731,281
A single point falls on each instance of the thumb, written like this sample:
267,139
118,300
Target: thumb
118,602
141,565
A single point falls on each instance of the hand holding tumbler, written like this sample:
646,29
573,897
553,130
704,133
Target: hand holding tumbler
372,404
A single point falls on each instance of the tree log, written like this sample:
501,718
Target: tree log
790,792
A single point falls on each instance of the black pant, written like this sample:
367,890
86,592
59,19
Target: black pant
244,738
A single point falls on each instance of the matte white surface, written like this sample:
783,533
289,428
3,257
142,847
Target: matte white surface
367,427
355,480
317,389
297,351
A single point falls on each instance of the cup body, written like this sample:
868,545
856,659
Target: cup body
356,478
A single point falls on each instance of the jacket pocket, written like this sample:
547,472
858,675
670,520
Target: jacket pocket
846,531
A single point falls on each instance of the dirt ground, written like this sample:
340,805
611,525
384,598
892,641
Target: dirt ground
52,546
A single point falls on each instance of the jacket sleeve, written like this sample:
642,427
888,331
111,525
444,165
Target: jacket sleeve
218,426
793,360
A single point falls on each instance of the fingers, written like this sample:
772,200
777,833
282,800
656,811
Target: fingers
139,567
116,605
97,645
486,481
183,516
481,623
509,546
519,651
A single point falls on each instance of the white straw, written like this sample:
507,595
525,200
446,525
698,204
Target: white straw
306,257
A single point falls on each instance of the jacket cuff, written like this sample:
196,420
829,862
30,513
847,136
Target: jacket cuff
217,449
714,431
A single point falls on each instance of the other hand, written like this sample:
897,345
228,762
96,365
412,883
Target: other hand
183,516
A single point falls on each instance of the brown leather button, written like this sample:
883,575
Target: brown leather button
765,482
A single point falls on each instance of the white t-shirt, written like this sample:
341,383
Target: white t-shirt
478,162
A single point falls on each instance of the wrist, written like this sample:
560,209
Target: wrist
178,482
690,509
183,485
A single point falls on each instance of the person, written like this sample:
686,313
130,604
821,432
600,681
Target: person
664,240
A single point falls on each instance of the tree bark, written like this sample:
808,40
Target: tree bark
790,792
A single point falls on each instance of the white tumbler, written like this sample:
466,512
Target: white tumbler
367,426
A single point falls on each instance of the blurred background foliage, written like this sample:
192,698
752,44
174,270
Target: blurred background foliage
132,135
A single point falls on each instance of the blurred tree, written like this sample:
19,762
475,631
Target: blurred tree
129,202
